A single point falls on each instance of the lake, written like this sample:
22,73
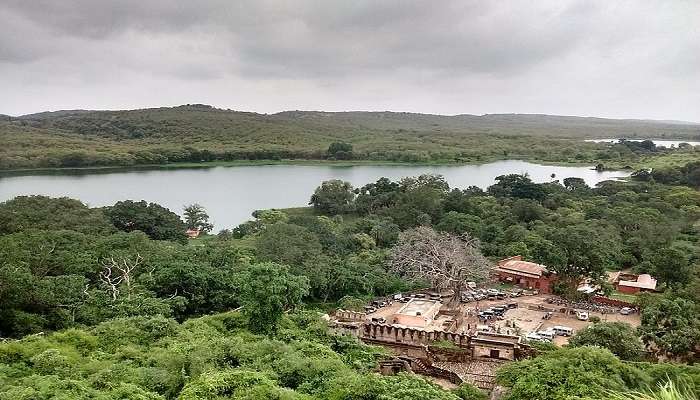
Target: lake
231,194
658,142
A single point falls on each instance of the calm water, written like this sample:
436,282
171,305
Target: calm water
658,142
231,194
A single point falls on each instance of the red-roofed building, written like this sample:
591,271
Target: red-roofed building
631,283
525,274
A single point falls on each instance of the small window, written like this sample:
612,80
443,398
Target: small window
495,353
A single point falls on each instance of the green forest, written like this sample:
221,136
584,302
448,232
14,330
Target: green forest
200,134
117,303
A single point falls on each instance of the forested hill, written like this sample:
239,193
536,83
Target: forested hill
187,117
195,133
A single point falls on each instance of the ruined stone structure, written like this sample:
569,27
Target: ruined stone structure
412,341
350,316
417,313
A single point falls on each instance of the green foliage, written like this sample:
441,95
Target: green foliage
466,391
287,244
213,357
197,218
665,391
618,337
333,197
156,221
46,213
582,372
340,150
267,291
197,133
671,326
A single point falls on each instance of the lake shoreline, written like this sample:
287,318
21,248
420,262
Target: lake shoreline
247,163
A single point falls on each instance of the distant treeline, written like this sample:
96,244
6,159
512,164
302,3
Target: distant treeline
197,133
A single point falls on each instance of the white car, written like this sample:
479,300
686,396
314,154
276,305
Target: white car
625,311
534,336
582,315
547,334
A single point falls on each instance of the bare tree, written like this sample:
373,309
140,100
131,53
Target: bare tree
445,260
124,267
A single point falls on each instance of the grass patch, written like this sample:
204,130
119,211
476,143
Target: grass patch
630,298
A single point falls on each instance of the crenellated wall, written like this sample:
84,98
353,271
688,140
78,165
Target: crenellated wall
347,315
410,336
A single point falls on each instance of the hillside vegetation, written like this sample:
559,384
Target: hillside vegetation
199,133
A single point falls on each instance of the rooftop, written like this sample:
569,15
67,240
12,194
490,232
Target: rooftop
644,281
516,265
418,307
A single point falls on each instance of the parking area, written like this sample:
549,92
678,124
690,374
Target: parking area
519,315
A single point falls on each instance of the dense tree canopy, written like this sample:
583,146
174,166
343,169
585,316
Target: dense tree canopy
333,197
618,337
156,221
124,292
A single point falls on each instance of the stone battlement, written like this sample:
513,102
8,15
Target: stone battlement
410,336
352,316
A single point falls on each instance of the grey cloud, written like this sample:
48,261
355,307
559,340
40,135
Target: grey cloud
557,56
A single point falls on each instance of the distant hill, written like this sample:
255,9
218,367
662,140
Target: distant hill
152,120
199,132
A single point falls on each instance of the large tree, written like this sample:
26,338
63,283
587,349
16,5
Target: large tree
446,261
47,213
287,244
582,372
618,337
333,197
267,291
196,217
154,220
671,327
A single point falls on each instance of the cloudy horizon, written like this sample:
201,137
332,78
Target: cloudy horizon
612,59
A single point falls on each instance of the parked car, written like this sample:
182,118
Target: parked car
512,305
380,320
493,291
547,315
582,315
563,330
471,285
535,337
625,311
547,334
499,310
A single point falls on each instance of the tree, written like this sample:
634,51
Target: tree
154,220
575,184
458,223
671,327
445,260
384,232
46,213
340,150
196,218
581,372
287,244
333,197
618,337
467,391
515,185
672,266
587,250
267,291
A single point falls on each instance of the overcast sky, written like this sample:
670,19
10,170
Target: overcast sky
631,59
